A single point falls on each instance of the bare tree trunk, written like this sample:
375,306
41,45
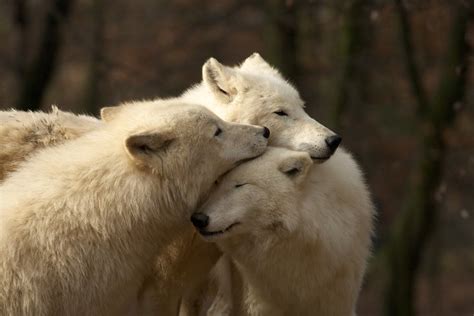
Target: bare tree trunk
409,58
351,40
415,224
39,73
282,36
92,99
21,22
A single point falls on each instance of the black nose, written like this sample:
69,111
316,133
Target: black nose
266,132
200,220
333,142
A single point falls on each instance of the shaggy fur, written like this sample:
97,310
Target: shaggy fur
81,223
255,93
22,133
299,239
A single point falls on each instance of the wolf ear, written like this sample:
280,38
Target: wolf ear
296,166
255,63
220,79
141,147
109,113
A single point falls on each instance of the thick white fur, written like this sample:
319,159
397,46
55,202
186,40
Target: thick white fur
22,133
302,238
81,223
253,93
249,93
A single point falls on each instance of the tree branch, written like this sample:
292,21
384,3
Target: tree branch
410,63
351,39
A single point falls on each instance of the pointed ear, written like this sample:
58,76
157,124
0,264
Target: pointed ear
109,113
296,165
141,147
220,79
255,63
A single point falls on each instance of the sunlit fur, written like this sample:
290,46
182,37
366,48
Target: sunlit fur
254,91
250,93
22,133
81,223
303,238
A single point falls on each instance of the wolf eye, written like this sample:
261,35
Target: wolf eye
239,185
218,132
281,113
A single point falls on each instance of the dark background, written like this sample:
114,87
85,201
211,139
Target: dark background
393,77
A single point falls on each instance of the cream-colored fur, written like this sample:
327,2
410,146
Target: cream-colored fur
22,133
255,93
298,234
81,223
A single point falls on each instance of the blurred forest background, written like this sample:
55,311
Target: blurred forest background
393,77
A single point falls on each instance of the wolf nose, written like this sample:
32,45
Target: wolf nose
333,142
266,132
200,220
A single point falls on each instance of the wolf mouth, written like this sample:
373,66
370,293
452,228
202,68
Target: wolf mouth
218,232
320,158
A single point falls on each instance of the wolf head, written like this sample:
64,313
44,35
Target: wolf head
259,197
256,93
173,142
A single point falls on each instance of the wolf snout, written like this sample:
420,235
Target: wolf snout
200,220
333,142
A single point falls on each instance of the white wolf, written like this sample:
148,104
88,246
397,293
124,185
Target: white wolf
81,223
256,93
253,92
23,133
299,234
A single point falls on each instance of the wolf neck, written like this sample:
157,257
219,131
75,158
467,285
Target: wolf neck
115,202
290,276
